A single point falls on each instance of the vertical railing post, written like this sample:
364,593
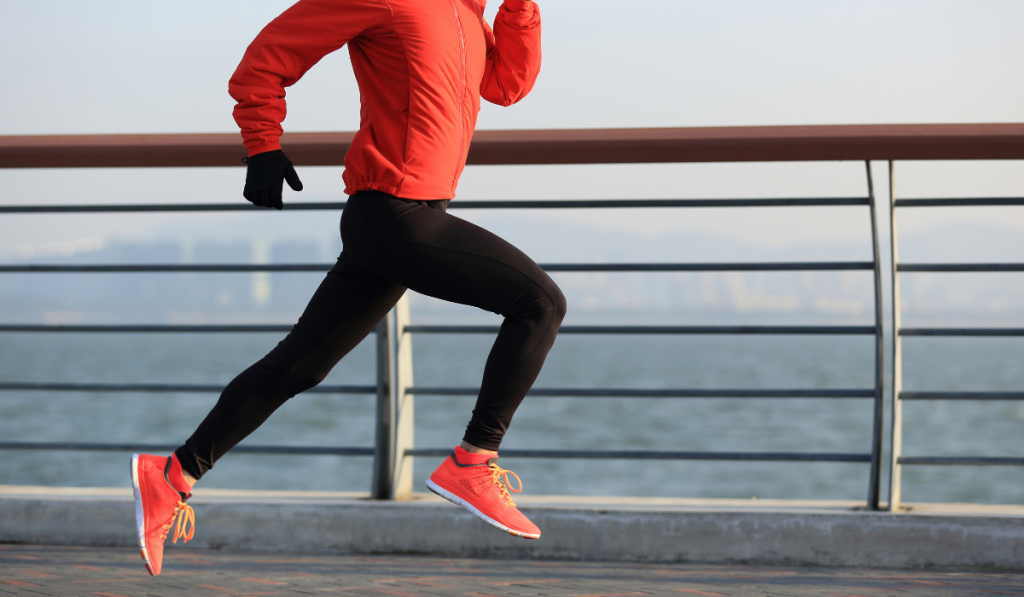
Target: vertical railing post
879,409
405,414
384,438
896,469
396,419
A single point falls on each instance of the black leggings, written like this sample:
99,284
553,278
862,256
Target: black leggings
391,244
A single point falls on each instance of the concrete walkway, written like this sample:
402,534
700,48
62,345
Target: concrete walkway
119,572
758,532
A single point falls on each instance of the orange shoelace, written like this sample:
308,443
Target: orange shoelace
186,518
498,475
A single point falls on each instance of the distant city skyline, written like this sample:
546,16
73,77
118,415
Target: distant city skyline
677,296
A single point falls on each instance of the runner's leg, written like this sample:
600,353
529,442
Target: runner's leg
346,307
391,244
439,255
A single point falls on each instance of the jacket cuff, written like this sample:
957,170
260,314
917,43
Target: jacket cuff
518,6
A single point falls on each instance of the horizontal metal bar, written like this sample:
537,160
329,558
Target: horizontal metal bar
441,452
29,386
960,267
962,460
633,203
962,332
662,393
164,448
118,329
710,267
653,329
452,329
166,268
165,207
664,455
965,201
961,395
491,204
440,391
658,203
551,267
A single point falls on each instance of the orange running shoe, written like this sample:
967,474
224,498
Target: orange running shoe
478,484
158,482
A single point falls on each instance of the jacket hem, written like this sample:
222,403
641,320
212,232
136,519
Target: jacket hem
263,148
396,192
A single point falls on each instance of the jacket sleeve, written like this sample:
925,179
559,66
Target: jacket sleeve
513,53
286,48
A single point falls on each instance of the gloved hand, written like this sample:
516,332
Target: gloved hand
264,178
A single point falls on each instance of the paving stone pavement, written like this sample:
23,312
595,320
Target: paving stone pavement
117,572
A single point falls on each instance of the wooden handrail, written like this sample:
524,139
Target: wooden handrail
570,146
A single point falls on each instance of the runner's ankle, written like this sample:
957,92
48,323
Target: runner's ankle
475,450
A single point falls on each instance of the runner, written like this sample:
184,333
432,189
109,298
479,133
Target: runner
422,67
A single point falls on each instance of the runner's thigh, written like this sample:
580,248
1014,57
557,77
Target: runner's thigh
440,255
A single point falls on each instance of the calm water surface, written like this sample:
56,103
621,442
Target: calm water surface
827,425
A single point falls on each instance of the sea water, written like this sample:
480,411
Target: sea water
577,361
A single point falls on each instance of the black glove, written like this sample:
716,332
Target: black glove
265,176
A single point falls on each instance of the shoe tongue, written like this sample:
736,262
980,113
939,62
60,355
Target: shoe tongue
464,457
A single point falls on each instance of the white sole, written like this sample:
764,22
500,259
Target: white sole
140,517
451,497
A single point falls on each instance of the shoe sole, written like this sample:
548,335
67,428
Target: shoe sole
140,517
451,497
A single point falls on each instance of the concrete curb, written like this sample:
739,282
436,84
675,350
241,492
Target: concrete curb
609,529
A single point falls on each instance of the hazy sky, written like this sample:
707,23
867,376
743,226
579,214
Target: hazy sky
131,67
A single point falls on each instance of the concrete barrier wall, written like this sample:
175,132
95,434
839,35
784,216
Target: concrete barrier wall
779,533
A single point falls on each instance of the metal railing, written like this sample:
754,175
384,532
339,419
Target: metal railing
872,456
899,460
396,392
394,450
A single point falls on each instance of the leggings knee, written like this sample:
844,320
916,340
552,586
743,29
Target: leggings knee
558,303
546,303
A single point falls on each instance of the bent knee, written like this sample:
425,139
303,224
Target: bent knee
541,302
558,303
551,302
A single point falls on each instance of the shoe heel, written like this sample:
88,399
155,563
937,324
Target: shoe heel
140,517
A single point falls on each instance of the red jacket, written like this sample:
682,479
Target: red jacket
421,65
